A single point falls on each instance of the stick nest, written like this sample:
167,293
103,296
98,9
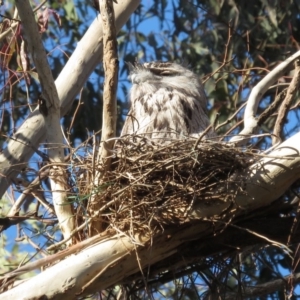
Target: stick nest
157,185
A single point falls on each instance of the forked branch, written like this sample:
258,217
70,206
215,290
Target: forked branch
49,107
250,121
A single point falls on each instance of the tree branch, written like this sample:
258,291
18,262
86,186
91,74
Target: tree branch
286,104
111,68
270,287
250,122
109,112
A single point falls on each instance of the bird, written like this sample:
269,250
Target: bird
167,103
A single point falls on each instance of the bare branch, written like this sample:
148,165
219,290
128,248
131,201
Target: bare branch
271,108
50,109
261,290
286,104
250,122
15,22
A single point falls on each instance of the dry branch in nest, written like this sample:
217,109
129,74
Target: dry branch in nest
151,186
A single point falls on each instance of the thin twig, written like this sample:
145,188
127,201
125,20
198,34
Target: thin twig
231,117
272,242
286,104
271,108
49,107
16,22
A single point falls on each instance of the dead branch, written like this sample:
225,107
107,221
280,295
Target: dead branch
286,104
109,112
111,68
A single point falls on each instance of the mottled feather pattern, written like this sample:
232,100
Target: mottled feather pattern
167,102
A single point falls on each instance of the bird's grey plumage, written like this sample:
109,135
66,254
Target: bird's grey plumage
167,102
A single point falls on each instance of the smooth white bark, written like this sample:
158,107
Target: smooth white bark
250,122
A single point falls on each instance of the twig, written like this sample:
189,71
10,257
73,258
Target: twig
111,66
30,189
16,22
64,241
237,124
272,242
203,134
271,108
231,117
286,104
225,61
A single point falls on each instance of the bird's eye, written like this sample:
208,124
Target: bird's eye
165,73
169,74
